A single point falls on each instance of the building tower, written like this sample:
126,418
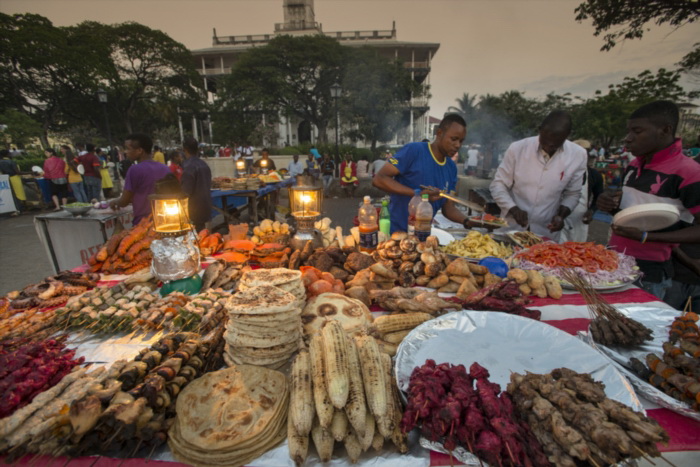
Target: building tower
298,15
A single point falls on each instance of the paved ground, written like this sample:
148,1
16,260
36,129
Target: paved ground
24,260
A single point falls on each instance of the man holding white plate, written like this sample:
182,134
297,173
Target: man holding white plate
661,175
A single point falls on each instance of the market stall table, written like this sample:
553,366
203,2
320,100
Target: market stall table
569,314
269,194
69,241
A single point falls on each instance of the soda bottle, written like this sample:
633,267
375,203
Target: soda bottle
412,206
368,226
385,219
424,219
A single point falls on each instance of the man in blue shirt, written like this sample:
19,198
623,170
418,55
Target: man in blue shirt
427,164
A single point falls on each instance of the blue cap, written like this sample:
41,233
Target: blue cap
417,191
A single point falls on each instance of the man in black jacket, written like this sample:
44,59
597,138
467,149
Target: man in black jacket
196,184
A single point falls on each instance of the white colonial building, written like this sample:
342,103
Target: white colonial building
299,19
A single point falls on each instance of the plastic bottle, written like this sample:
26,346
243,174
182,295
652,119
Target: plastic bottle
385,219
368,226
424,219
412,206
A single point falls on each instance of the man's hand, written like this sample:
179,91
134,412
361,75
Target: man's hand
519,215
433,193
608,202
628,232
114,205
556,224
587,217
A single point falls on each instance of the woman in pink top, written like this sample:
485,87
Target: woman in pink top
55,172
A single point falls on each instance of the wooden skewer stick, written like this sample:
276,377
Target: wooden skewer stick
643,454
667,461
592,461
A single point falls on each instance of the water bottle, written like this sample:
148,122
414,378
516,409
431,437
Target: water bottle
385,219
424,219
412,206
368,226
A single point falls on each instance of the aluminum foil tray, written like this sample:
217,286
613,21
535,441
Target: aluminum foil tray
502,344
659,320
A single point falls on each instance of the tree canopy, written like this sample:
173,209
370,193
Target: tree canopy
52,74
293,76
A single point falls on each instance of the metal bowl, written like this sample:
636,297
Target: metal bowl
79,211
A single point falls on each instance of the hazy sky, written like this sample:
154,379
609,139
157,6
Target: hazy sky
486,46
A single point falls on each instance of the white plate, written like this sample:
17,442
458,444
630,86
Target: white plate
648,217
81,169
502,344
443,237
599,288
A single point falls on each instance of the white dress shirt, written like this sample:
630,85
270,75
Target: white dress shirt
539,184
295,168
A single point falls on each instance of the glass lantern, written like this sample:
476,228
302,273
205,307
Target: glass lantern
240,167
305,203
170,215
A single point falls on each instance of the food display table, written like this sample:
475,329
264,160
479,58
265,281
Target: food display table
569,314
69,241
269,194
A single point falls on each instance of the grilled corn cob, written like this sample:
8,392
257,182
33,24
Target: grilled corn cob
324,407
378,441
386,424
356,407
366,439
339,425
352,446
301,403
336,358
373,375
399,322
396,337
298,444
323,440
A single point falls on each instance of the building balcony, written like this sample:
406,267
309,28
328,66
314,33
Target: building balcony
296,26
243,39
362,35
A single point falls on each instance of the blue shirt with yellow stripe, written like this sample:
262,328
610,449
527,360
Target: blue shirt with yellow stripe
418,166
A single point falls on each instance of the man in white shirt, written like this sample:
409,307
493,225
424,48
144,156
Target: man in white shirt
539,182
472,161
295,167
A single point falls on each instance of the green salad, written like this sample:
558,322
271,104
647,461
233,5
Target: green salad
77,205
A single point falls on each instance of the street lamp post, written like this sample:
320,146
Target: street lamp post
335,94
102,97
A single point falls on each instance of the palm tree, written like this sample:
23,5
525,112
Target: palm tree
466,107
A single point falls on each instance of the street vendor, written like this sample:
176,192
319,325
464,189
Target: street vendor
141,178
659,174
427,164
539,182
264,162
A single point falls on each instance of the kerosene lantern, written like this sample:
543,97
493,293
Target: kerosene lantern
240,167
175,250
305,204
263,166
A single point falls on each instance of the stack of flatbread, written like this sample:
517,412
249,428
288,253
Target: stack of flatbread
230,417
286,279
264,327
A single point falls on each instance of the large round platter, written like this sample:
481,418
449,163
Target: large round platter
599,288
659,321
443,236
503,344
648,217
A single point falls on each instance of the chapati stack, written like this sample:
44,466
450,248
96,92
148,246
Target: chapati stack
253,183
239,184
286,279
264,327
230,417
